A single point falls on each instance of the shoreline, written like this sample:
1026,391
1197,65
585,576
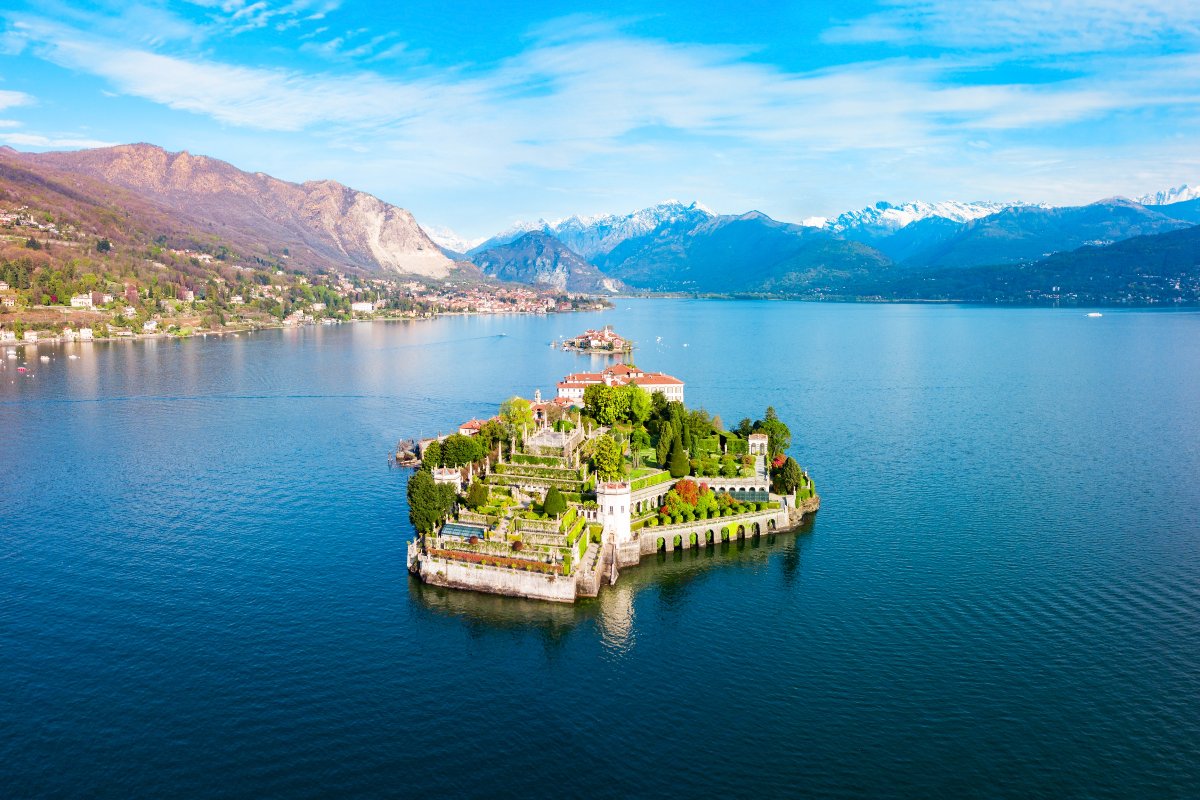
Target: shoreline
586,583
134,337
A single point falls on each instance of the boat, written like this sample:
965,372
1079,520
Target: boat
72,356
1095,314
21,369
46,359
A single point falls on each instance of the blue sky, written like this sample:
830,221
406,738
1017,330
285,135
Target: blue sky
476,114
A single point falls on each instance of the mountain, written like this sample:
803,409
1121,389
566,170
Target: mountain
1030,233
598,235
1154,269
745,253
317,224
1169,196
539,259
449,241
884,219
593,236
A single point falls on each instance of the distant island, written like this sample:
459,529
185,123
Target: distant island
551,499
605,341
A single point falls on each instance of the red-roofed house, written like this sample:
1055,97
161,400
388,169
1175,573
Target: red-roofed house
573,386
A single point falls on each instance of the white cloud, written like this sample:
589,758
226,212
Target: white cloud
11,99
1048,26
587,109
37,140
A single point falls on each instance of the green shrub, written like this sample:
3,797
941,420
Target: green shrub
555,503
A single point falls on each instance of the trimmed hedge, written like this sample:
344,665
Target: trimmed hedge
650,480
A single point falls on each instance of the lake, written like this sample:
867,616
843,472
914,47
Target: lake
203,589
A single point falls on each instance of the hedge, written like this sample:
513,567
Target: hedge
650,480
547,461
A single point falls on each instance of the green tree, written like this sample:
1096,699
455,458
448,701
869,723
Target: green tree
666,434
786,477
432,456
477,495
602,403
428,502
103,246
555,503
639,403
677,462
489,434
658,404
607,458
517,413
459,450
779,438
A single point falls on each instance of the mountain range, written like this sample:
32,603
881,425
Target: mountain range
315,225
140,194
876,252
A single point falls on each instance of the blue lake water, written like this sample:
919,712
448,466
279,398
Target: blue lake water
203,593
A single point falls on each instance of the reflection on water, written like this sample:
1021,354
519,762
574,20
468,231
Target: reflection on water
673,575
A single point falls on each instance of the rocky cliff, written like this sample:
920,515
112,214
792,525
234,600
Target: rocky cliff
319,224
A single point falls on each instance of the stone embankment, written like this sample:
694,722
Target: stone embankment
597,565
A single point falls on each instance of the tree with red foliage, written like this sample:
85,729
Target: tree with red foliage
688,491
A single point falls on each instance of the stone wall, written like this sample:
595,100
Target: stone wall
768,521
495,580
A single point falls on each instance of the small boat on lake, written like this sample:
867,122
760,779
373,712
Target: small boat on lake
1095,314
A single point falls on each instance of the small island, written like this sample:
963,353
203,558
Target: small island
550,500
605,341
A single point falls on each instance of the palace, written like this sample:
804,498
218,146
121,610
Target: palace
573,386
555,509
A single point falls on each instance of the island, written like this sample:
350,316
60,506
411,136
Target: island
605,341
551,499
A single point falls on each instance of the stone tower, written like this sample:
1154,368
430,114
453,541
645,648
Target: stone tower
615,514
613,499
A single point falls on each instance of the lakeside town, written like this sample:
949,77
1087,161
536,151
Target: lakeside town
59,282
551,498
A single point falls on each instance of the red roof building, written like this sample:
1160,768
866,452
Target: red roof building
573,386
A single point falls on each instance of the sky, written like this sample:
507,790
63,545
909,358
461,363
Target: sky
476,114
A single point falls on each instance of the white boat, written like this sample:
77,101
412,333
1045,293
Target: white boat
72,356
46,359
1095,314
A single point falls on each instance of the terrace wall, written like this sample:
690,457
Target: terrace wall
495,580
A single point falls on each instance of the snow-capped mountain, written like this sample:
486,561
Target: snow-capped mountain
885,218
444,237
595,235
592,236
1178,194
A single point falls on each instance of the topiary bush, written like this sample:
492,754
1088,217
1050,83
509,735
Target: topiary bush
555,503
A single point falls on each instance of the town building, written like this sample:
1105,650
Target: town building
81,301
574,385
604,339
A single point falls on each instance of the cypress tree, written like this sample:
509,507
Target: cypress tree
677,462
666,434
